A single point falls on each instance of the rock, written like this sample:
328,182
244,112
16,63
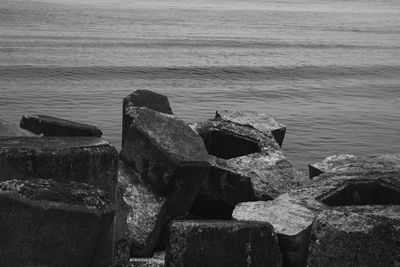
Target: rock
143,98
9,129
262,122
146,213
43,223
292,214
52,126
350,164
81,159
222,243
170,161
246,165
351,239
157,260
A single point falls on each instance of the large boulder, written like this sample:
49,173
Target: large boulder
170,164
350,164
265,123
246,164
142,98
222,243
81,159
293,214
44,223
9,129
53,126
353,239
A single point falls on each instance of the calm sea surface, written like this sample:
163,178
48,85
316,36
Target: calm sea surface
328,69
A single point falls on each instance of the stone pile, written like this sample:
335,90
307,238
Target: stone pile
214,193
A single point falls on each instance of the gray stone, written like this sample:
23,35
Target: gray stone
43,223
9,129
352,239
53,126
222,243
142,98
350,164
157,260
170,161
262,122
246,164
81,159
292,214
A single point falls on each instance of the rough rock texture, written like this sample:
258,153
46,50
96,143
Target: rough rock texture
351,239
170,161
350,164
145,212
262,122
222,243
9,129
43,223
157,260
142,98
52,126
292,214
246,164
81,159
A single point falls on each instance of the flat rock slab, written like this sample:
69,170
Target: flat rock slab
246,165
53,126
350,164
293,214
44,223
157,260
222,243
9,129
81,159
352,239
143,98
263,122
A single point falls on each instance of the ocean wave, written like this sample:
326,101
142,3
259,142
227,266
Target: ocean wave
198,72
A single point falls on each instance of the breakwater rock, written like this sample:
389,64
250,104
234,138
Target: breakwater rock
219,192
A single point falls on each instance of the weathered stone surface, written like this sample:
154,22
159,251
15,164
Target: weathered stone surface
145,215
351,239
157,260
43,223
9,129
262,122
170,161
142,98
350,164
81,159
292,214
222,243
53,126
246,164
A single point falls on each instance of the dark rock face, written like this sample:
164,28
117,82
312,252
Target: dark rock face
52,126
142,98
351,239
167,163
43,223
222,243
246,165
293,214
261,122
9,129
157,260
351,165
81,159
